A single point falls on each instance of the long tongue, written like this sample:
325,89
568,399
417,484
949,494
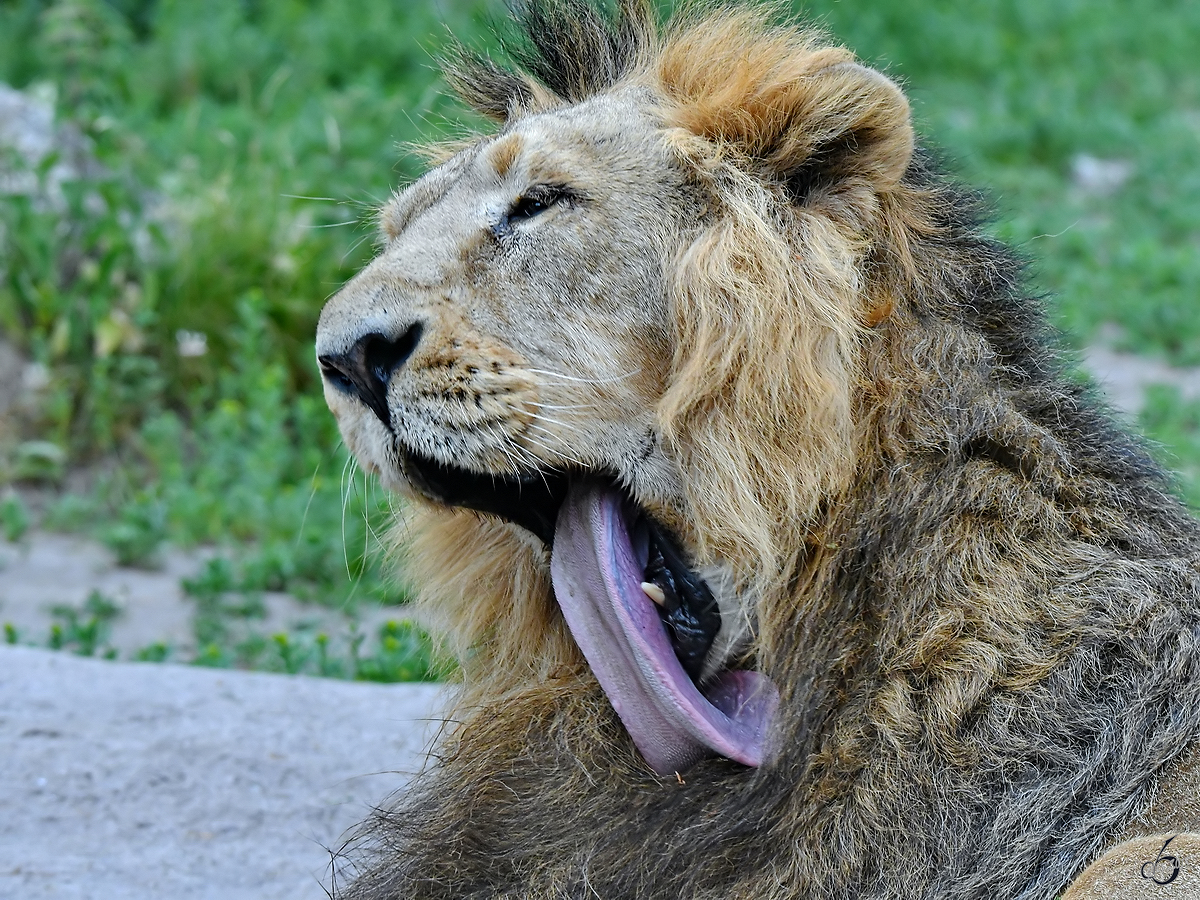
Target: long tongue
597,581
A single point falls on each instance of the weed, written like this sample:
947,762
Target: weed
405,654
137,534
156,652
14,518
84,629
39,461
71,513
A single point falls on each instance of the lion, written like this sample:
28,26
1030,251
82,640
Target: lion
781,554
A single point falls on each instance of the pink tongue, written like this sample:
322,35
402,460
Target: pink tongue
597,581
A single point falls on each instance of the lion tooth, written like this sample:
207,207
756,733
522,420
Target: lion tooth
654,592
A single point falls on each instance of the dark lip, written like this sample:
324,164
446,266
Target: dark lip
532,500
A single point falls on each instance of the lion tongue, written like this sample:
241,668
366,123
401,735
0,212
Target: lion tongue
597,582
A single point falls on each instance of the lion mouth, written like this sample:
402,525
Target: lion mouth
644,620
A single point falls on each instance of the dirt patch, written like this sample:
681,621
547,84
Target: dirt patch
45,570
1124,377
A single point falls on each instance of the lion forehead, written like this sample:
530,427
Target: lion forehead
602,145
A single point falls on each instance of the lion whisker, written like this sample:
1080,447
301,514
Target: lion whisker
551,419
351,466
357,244
312,492
578,380
549,449
503,445
556,436
584,406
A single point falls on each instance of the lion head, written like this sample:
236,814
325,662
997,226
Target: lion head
714,412
642,299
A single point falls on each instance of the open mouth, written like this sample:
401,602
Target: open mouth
643,618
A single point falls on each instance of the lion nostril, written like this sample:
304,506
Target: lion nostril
383,357
367,368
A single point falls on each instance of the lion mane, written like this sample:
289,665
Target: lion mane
977,596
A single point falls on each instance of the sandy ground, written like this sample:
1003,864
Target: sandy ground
128,781
45,570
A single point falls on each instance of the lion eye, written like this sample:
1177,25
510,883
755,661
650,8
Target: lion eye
527,208
534,202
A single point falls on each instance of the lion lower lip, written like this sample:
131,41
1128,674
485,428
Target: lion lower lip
531,500
686,606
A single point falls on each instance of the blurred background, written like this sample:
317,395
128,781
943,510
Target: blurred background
183,184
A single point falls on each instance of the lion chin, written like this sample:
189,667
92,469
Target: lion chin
780,555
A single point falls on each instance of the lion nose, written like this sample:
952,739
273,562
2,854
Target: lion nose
366,368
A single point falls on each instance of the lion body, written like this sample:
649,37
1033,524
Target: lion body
786,338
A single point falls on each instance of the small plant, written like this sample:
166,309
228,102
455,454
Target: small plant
405,654
292,655
84,630
14,518
137,534
156,653
326,666
43,462
71,514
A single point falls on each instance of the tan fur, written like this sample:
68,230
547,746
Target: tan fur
503,153
504,583
1155,867
769,291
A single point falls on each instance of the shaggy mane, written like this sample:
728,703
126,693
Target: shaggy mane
964,573
561,50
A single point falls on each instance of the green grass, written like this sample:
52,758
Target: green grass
243,143
399,652
1015,92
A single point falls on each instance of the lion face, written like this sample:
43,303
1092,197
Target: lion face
627,326
515,321
507,352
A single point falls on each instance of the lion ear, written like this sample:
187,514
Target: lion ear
849,122
815,121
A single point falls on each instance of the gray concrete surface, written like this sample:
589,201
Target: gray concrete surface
130,781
